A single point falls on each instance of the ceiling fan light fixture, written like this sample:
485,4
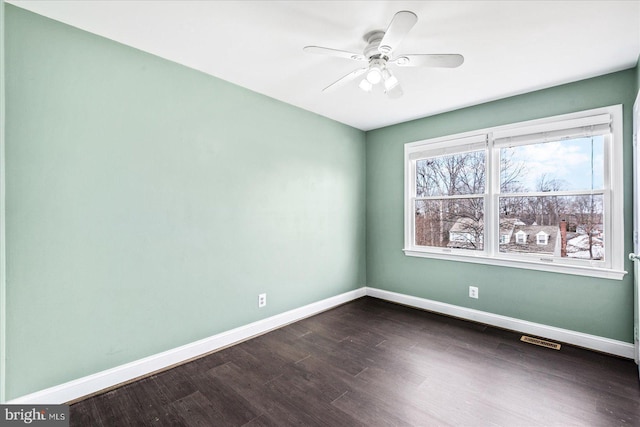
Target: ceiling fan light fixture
365,85
377,66
374,75
390,81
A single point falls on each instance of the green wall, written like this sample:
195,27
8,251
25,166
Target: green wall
638,75
148,204
590,305
2,215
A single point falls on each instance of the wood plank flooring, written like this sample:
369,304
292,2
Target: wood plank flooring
373,363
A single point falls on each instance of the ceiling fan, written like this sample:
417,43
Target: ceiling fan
379,53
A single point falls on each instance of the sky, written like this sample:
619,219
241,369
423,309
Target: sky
568,160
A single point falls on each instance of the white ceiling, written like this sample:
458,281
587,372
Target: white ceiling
510,47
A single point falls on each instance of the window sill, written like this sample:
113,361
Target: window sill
603,273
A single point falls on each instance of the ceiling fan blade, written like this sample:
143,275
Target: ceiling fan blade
400,25
352,75
334,52
419,60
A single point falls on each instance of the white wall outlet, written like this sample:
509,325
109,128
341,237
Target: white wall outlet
473,292
262,300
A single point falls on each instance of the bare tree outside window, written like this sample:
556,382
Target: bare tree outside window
443,218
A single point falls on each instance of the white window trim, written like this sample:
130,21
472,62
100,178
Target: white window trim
614,182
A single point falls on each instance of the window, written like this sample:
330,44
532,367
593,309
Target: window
544,194
542,238
449,204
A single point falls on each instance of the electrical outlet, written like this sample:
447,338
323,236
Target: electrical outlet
262,300
473,292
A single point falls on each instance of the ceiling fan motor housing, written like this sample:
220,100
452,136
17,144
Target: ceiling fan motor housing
372,50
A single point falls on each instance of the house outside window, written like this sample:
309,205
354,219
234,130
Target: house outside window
544,194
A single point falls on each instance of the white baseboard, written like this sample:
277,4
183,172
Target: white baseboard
592,342
94,383
121,374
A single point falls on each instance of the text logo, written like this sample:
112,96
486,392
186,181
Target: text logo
34,415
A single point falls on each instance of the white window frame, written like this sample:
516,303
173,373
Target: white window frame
611,268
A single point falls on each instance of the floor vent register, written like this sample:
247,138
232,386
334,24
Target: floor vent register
542,343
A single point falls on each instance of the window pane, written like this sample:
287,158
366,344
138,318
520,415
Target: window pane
534,225
456,174
450,223
573,164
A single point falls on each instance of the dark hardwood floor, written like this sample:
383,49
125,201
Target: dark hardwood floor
373,363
